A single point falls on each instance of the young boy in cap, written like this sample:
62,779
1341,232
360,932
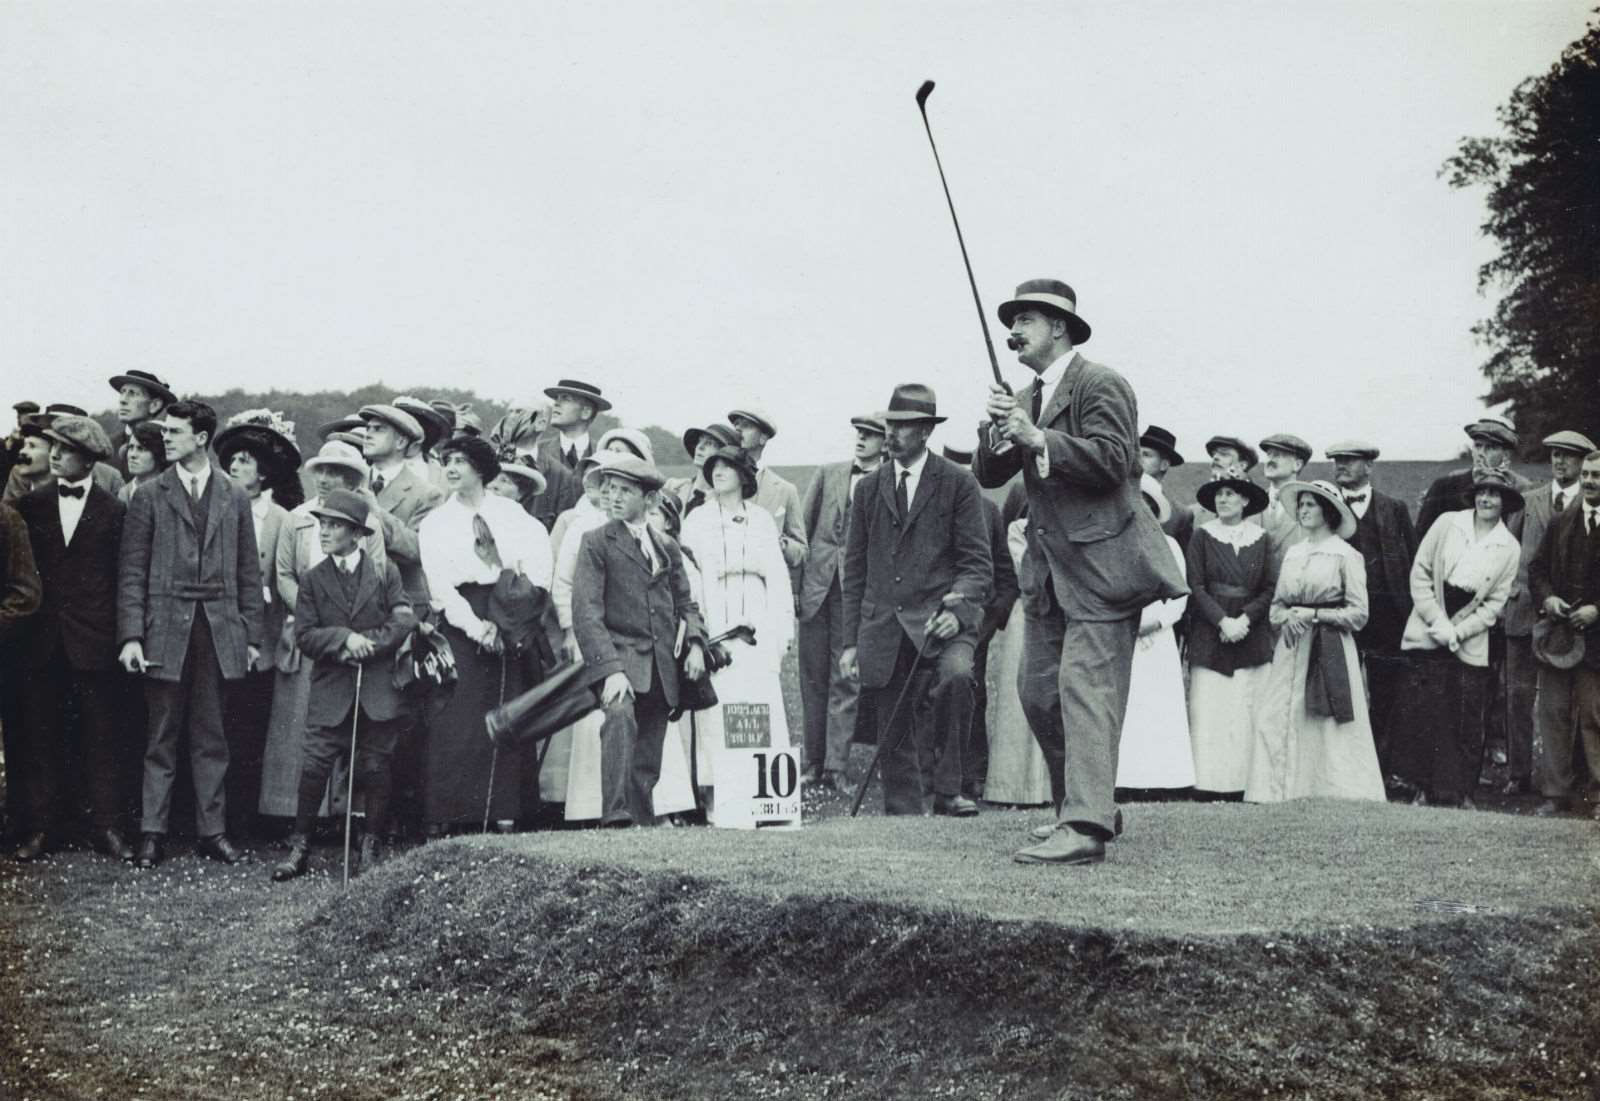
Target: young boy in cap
350,613
630,595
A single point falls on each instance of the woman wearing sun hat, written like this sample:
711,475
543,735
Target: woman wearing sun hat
1313,736
1460,583
1230,641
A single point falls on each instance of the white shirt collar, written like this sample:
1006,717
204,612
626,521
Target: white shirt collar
580,442
348,561
915,468
1570,492
1050,377
202,477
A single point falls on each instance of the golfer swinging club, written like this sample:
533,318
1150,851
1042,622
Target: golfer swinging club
1094,558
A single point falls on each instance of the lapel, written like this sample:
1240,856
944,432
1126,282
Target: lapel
51,537
886,477
218,486
326,574
366,584
1062,397
927,486
620,535
396,490
177,498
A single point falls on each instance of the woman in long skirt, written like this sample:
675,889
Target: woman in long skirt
467,544
1313,736
1018,774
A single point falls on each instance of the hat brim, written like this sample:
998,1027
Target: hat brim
167,396
1497,436
911,417
1289,497
1247,453
1255,496
1556,644
335,514
866,425
74,445
1077,328
600,404
317,462
1511,499
281,452
412,431
1171,453
527,474
741,467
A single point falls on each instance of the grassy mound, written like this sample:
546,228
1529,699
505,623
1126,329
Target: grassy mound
866,958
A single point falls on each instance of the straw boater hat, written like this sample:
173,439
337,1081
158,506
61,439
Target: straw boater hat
722,434
80,434
739,461
1247,454
1557,643
1053,297
1159,439
913,402
1158,500
520,466
583,391
343,504
1255,496
151,384
1493,427
267,436
340,454
757,417
1289,497
640,473
1287,441
1500,480
871,422
1569,441
636,440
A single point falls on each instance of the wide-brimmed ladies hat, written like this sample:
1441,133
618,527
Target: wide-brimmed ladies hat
340,455
1289,498
583,391
1157,498
1255,496
1500,480
520,467
1160,439
1053,297
1557,643
739,461
343,504
635,440
912,402
722,434
266,435
1247,454
151,384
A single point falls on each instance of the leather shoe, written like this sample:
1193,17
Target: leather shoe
954,806
32,848
111,842
295,863
1042,833
1064,846
149,851
218,847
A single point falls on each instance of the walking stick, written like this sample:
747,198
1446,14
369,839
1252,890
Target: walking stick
861,792
350,782
494,757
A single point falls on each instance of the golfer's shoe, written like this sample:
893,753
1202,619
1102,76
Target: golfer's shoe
293,865
1041,833
1064,846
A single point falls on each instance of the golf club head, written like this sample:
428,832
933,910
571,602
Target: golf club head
923,93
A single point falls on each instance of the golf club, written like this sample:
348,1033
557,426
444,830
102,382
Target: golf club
350,785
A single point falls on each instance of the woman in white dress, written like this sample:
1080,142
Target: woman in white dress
1313,736
1018,774
744,579
1155,751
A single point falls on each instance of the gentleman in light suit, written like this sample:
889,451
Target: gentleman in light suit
1542,505
189,614
774,492
827,698
916,578
1095,557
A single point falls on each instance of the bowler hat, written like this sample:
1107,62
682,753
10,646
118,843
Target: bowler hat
1557,642
723,435
1569,441
1159,439
1151,488
739,460
151,384
1052,296
1351,449
346,505
871,422
1288,441
340,454
396,418
265,434
913,402
1247,454
757,417
80,434
1494,427
583,391
1499,479
1289,497
641,473
1255,495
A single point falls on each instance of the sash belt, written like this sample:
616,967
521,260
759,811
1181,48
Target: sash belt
1328,692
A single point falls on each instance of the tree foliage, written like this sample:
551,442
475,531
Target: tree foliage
1543,180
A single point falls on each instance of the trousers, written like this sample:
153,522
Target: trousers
921,749
1569,723
322,749
55,775
631,735
191,705
827,697
1521,673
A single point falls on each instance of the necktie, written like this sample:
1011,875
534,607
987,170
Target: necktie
1354,498
377,484
483,543
644,549
1036,402
902,500
857,468
1561,500
69,491
1594,520
571,457
194,489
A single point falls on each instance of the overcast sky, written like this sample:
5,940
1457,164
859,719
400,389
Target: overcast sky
699,205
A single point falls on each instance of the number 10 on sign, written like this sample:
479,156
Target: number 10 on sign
761,789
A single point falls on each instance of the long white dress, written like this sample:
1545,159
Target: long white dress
744,580
1298,755
1155,750
1018,773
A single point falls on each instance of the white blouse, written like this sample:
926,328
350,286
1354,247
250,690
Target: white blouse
1238,536
450,560
572,525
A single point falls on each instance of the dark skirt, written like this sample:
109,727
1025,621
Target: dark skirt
460,755
1438,722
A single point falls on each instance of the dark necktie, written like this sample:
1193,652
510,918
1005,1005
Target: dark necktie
1594,522
902,500
483,543
1036,401
1561,500
571,457
1354,498
377,484
696,499
69,491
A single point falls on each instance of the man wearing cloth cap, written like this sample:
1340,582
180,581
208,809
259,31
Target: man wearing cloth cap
1542,505
141,396
916,580
1285,455
629,595
827,697
1564,578
1494,441
1388,545
70,648
403,496
1095,557
574,404
31,469
774,493
1158,454
189,614
1231,457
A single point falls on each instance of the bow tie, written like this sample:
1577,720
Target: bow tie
69,491
1354,498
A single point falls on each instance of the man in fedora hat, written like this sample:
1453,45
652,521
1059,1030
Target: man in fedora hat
189,614
351,612
1494,441
141,396
774,493
827,697
1388,545
1564,577
70,649
1158,454
629,596
1543,504
1284,456
1095,556
916,580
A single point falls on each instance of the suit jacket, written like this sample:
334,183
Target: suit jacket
1568,566
626,618
170,572
19,580
1522,610
1283,531
274,529
325,615
824,521
1396,550
406,499
79,609
563,487
105,476
778,496
1094,549
896,573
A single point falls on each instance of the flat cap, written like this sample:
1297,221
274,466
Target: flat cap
398,419
1494,427
26,407
1569,441
636,470
871,422
1351,449
757,417
1287,441
1247,454
80,434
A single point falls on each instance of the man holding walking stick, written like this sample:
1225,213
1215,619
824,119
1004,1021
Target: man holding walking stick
350,619
1095,557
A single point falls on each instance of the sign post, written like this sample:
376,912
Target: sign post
757,783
